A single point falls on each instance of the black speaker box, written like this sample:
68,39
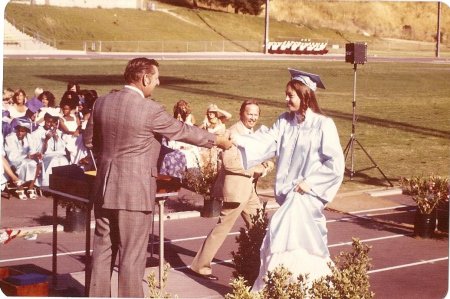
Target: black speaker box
356,53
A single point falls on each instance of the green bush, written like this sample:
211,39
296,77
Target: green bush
349,278
246,258
154,289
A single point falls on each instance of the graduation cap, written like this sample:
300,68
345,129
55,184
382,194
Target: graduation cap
34,105
22,122
52,113
311,80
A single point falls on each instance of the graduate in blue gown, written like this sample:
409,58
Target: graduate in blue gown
310,170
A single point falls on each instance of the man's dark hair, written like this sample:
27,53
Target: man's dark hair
138,67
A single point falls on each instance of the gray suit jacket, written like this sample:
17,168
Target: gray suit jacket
123,129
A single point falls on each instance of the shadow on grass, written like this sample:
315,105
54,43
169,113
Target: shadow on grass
115,79
179,84
381,122
363,178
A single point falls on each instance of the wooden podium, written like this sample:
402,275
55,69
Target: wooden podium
71,183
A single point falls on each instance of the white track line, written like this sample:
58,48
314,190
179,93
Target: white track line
409,265
203,237
41,256
380,209
329,246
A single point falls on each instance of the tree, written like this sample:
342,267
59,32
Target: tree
252,7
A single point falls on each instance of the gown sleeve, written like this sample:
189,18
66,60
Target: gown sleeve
258,147
326,179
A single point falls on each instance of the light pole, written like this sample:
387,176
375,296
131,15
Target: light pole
266,31
438,34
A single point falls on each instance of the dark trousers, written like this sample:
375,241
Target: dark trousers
124,234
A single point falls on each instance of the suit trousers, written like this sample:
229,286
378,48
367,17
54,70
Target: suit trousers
229,214
123,233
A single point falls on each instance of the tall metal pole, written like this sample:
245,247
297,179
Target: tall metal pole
438,34
266,31
353,135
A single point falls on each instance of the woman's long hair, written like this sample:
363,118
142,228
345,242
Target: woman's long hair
306,95
178,109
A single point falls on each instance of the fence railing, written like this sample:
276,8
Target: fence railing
172,46
32,33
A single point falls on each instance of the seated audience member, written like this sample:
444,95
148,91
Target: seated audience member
48,103
214,123
47,141
18,152
72,98
34,107
85,109
183,112
18,108
214,120
6,123
73,86
72,133
8,94
8,173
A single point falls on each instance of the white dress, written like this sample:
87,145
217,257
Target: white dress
13,113
74,144
308,151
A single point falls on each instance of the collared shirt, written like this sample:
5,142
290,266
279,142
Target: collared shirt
135,89
246,130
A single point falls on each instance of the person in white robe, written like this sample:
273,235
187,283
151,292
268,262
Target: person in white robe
18,152
72,133
47,140
310,170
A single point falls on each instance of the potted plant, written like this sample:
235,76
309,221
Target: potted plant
201,180
428,193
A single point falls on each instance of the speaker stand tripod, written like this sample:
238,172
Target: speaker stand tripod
350,148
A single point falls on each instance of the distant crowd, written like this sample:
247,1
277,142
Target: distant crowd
39,135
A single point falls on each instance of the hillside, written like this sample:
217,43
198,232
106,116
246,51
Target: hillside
185,29
407,20
390,19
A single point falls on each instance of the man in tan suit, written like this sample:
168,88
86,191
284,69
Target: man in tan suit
123,130
237,187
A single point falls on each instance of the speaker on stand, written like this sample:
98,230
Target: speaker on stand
356,53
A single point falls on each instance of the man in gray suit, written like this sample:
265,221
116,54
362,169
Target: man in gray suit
237,187
123,130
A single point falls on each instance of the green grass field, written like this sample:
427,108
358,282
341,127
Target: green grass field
402,108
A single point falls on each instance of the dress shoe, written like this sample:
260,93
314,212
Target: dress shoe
204,276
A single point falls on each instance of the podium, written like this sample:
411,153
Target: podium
71,183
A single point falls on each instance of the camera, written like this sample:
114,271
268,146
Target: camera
356,53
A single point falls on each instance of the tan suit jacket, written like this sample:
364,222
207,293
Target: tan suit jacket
234,183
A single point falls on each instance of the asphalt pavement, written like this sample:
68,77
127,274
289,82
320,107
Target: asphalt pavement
35,217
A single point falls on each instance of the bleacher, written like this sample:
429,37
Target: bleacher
14,40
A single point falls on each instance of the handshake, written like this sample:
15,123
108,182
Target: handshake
224,142
268,167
